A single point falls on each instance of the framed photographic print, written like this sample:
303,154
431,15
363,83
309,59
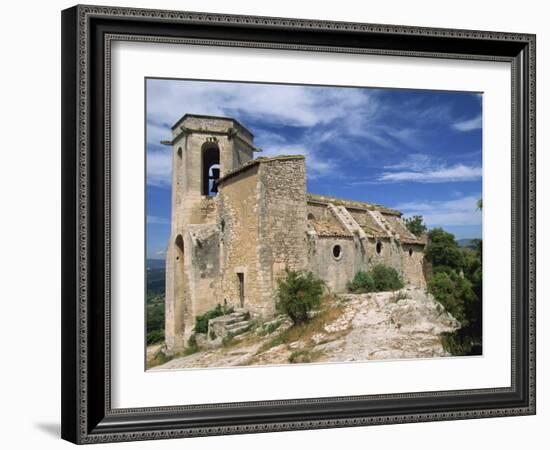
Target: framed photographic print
279,224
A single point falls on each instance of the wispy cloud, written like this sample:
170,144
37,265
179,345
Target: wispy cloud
327,125
159,168
414,161
458,172
317,166
156,220
456,212
300,106
422,168
468,125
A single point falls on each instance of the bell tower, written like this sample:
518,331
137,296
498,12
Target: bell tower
204,148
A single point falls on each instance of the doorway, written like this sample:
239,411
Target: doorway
240,277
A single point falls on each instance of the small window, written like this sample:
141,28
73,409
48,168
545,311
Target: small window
310,217
337,251
410,252
379,247
179,247
240,277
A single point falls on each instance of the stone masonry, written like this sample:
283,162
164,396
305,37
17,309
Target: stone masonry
238,222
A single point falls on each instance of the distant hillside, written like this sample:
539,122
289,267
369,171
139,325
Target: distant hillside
155,263
155,277
469,243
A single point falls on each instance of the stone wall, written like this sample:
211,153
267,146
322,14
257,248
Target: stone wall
203,270
389,255
318,211
282,216
413,263
334,270
238,223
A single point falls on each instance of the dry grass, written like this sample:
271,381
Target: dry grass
157,359
304,356
331,309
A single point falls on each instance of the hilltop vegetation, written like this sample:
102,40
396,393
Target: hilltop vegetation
457,285
155,302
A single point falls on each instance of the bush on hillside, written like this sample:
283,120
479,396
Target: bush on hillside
379,278
298,294
362,282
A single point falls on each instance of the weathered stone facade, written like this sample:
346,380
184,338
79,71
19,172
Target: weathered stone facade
239,222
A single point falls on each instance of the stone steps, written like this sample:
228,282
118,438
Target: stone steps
235,323
239,330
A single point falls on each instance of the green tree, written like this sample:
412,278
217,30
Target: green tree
457,285
455,293
443,251
415,225
298,294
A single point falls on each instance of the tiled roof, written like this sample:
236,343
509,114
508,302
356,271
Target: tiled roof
351,204
328,228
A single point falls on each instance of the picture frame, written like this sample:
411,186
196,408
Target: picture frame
87,413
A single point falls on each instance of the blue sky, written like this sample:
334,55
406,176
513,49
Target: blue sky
415,150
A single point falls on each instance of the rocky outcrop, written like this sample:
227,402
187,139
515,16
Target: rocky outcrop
405,324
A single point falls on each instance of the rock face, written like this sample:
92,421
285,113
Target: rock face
406,324
384,327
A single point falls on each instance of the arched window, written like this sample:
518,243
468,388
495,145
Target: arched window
179,248
337,252
210,168
379,247
410,251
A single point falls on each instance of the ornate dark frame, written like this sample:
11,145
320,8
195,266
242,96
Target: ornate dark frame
87,32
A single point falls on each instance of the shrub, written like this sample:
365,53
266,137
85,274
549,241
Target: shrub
303,356
401,296
201,322
192,345
379,278
463,342
386,278
298,294
155,336
362,282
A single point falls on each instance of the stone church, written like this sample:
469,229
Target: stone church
239,221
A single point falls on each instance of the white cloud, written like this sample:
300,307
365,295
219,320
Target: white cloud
415,162
315,166
156,220
458,172
352,120
468,125
461,211
302,106
157,133
159,168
